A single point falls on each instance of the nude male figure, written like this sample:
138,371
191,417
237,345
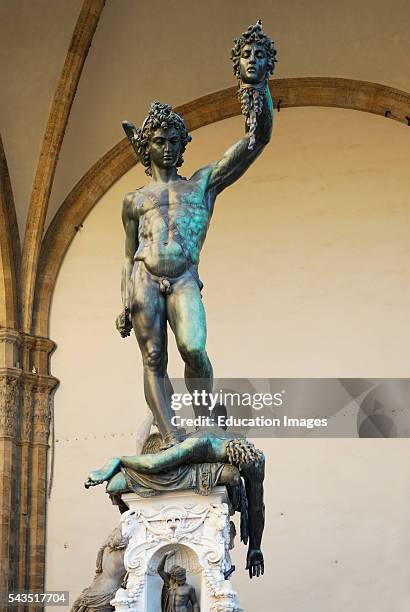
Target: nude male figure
166,223
177,595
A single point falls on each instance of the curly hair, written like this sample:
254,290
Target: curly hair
240,451
152,444
254,34
159,116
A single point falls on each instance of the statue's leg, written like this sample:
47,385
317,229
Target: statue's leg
117,484
191,450
168,388
105,473
186,315
149,321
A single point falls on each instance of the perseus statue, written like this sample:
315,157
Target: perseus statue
166,223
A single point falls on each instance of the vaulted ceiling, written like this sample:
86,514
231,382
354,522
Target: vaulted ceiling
174,51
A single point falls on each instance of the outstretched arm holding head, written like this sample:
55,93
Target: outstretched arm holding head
253,57
237,159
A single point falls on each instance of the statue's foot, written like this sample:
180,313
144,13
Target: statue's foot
92,480
97,477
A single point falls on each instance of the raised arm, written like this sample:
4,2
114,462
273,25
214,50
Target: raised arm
130,224
161,565
161,571
239,157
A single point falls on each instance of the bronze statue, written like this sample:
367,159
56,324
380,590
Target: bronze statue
166,223
177,595
199,449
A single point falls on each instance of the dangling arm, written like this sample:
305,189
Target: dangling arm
253,475
123,321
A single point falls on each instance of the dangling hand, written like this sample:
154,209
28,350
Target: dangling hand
255,563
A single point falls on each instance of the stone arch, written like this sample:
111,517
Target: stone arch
9,250
53,138
294,92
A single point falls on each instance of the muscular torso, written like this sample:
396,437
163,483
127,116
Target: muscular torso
173,220
182,598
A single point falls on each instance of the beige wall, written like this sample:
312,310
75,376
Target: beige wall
306,271
35,37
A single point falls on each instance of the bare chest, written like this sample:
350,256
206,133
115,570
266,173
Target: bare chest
182,594
186,208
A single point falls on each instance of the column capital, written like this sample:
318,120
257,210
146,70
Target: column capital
11,336
39,343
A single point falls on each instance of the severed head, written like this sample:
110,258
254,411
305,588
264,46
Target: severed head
253,56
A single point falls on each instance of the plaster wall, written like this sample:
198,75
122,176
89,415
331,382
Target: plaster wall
35,37
305,269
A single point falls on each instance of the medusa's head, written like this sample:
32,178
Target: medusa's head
253,55
161,139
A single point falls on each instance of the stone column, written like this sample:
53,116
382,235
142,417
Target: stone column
9,402
26,400
25,435
37,405
43,390
8,482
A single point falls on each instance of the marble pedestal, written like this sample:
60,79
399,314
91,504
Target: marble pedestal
198,528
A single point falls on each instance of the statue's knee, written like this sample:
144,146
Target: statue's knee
192,354
153,359
117,484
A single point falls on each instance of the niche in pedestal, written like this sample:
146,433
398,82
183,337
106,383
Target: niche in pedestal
184,557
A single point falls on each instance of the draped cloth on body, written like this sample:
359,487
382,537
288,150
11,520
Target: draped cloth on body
201,477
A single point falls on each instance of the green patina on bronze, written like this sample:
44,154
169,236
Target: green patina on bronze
166,223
